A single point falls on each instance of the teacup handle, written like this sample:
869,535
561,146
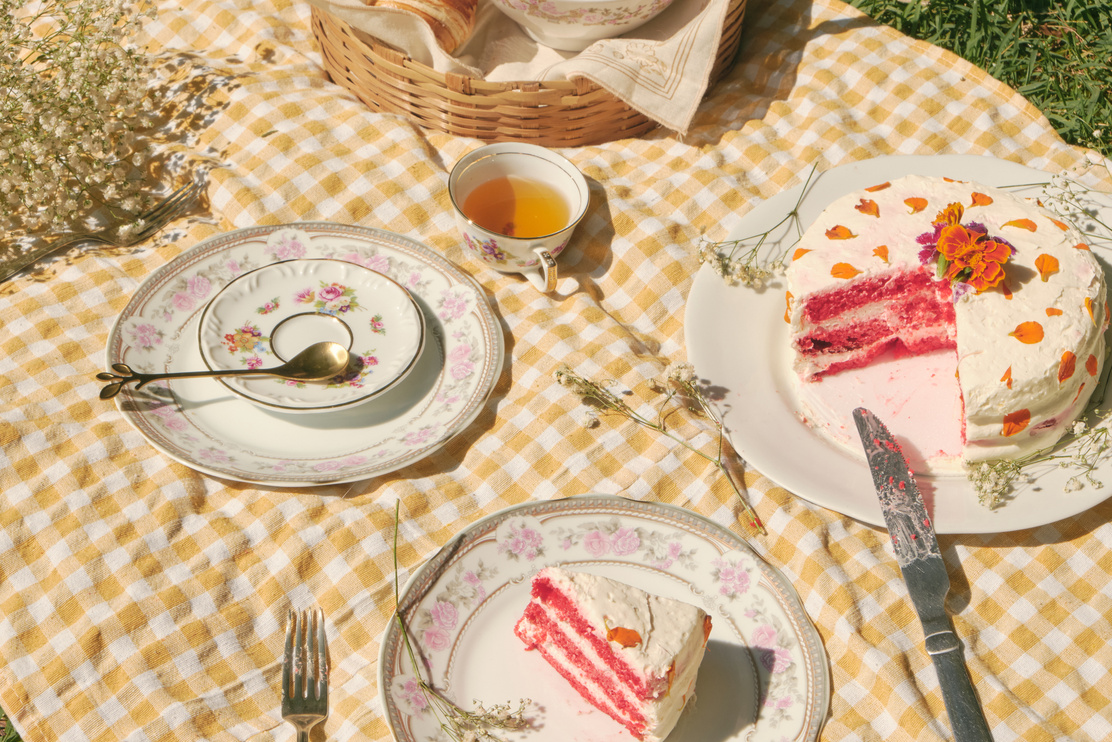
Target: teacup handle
544,276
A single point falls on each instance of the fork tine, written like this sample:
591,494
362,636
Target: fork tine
312,662
155,211
167,211
287,661
322,660
298,690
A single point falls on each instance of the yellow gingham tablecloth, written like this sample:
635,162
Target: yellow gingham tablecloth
141,600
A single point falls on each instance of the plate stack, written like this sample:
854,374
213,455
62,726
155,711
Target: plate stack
426,345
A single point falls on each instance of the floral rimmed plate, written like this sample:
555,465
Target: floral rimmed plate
267,316
764,677
203,425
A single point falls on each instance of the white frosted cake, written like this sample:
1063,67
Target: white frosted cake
925,265
633,655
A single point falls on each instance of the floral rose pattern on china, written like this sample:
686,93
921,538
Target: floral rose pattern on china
610,539
523,543
453,305
271,306
438,621
247,342
488,250
196,289
145,335
287,244
770,644
587,16
333,299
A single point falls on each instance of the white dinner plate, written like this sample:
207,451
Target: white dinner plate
764,677
747,360
202,424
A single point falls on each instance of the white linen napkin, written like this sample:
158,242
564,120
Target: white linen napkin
661,69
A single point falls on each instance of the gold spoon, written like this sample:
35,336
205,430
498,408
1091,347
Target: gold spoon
317,362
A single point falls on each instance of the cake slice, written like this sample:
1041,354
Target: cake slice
633,655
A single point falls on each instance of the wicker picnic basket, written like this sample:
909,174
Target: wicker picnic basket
558,113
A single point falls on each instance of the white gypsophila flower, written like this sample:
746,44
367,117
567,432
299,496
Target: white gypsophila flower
1073,484
74,84
589,419
681,372
1078,428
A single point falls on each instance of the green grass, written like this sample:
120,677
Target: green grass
1058,55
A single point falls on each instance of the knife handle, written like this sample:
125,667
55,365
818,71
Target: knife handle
967,719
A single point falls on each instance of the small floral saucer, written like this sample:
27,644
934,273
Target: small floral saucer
267,316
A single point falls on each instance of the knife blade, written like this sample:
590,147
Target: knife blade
924,571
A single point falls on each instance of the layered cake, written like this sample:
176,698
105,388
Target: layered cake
924,265
632,655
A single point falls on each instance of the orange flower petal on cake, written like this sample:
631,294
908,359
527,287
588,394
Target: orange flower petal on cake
844,270
1079,390
1006,291
839,232
881,252
799,253
951,215
915,204
1067,366
1022,224
1091,365
981,199
1007,377
868,207
1028,332
1015,422
1089,309
626,637
1081,246
1047,265
1053,312
788,309
880,187
1060,225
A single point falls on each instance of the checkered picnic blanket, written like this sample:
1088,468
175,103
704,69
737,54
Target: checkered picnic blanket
141,600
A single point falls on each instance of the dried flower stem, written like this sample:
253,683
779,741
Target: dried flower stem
682,386
750,268
458,723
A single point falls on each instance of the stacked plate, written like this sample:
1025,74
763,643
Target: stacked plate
428,345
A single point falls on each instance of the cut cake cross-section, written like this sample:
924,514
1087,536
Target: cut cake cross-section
631,654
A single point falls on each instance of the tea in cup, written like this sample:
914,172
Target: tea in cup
517,206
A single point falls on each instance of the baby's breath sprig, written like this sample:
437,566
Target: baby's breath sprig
681,387
74,90
458,723
742,260
1085,448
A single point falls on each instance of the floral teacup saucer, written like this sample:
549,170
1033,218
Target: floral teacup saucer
267,316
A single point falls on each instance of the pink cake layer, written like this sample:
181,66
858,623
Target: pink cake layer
850,327
536,629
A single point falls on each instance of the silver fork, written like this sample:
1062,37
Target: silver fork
305,672
150,223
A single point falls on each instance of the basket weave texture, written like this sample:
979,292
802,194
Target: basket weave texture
560,113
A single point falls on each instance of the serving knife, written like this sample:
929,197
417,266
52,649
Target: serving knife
924,571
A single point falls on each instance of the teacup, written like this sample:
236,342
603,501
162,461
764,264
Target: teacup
517,205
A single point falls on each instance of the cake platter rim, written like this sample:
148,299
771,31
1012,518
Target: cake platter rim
808,653
835,478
